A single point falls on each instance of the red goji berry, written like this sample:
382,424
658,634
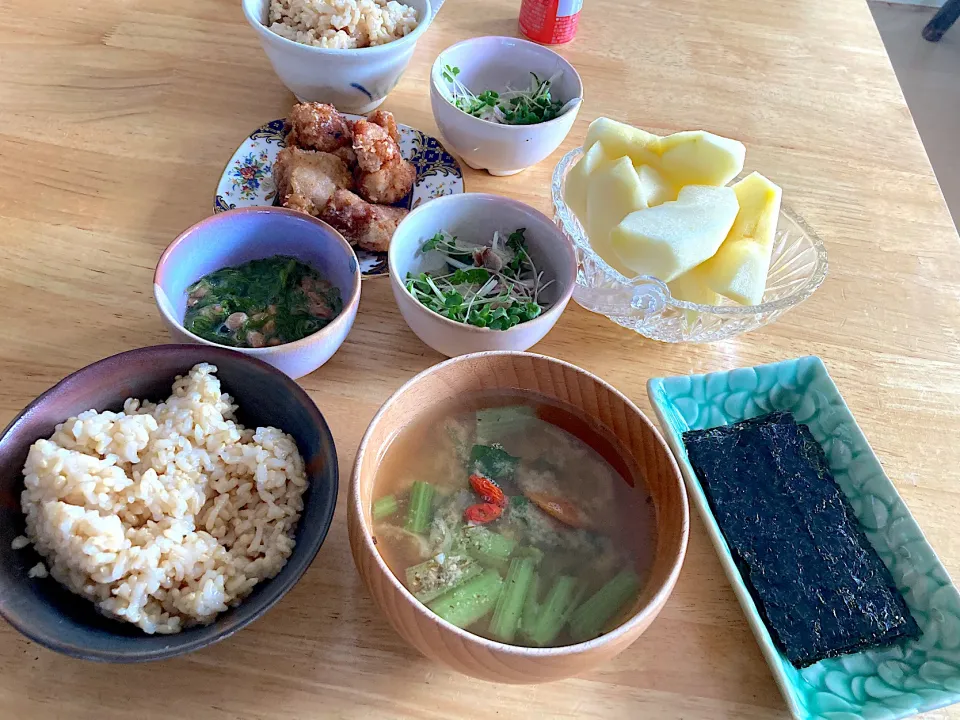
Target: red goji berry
482,513
488,490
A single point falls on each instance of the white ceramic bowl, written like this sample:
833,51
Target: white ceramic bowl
238,236
355,80
475,216
493,63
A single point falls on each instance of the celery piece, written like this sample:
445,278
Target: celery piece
384,507
469,602
493,462
589,620
432,578
531,606
420,511
530,551
555,610
506,615
490,548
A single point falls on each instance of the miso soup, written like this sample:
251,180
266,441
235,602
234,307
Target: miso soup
516,518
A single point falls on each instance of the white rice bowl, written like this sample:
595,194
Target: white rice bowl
163,515
341,24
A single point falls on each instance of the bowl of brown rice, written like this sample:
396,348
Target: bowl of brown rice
348,53
159,500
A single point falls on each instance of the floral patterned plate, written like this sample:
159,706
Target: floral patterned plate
248,182
884,684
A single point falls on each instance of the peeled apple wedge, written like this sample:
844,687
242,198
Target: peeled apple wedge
597,156
614,191
667,240
655,188
621,139
739,269
696,157
575,187
692,287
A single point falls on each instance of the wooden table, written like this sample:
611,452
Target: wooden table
116,119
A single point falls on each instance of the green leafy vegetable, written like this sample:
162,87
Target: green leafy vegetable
449,73
262,302
511,107
494,286
493,462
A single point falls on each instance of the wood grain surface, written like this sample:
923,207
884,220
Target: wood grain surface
116,119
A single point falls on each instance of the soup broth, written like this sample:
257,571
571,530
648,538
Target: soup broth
516,518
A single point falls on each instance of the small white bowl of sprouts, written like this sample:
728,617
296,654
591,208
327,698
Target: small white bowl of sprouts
476,272
503,104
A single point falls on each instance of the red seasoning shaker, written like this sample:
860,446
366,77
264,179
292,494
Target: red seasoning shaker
550,22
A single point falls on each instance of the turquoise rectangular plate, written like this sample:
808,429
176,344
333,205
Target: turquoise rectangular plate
894,682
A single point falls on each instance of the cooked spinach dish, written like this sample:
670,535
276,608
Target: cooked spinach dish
261,303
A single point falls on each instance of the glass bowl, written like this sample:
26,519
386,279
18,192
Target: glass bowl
798,266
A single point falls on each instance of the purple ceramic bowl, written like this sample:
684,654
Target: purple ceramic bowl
238,236
48,613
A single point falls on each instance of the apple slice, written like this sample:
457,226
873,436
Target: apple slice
656,190
613,192
696,157
575,187
621,139
692,287
667,240
739,269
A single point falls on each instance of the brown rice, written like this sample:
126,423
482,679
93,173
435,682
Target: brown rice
341,24
163,515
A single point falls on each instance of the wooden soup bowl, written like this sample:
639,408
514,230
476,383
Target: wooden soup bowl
462,650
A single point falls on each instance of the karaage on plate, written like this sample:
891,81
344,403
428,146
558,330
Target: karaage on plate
317,126
327,156
364,224
307,179
382,175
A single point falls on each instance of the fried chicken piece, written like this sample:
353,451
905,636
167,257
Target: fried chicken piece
306,179
373,145
389,184
382,175
361,223
385,120
348,156
316,126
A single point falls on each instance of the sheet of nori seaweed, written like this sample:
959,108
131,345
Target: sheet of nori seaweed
818,583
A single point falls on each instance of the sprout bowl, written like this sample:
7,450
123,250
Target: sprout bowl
798,266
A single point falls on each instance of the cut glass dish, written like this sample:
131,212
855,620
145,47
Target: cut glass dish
644,304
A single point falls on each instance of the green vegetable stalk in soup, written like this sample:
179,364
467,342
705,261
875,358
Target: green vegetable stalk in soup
261,303
502,513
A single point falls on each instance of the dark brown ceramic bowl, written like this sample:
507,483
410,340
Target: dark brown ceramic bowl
49,614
